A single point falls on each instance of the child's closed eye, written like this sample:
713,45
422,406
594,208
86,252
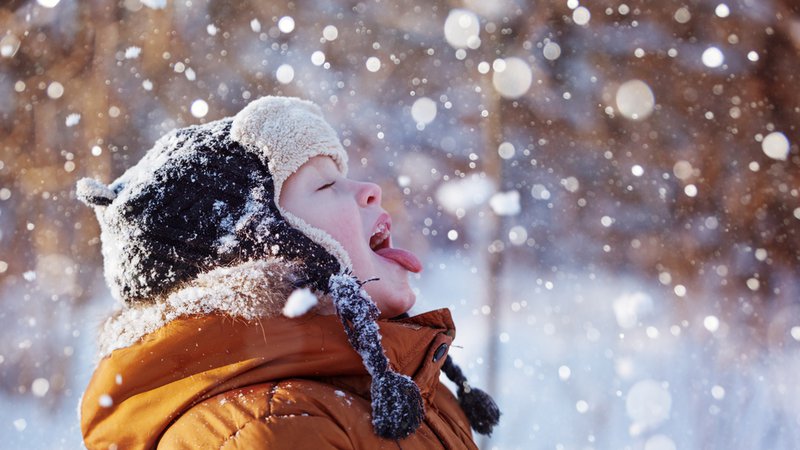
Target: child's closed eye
325,186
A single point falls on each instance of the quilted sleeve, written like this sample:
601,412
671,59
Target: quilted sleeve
252,418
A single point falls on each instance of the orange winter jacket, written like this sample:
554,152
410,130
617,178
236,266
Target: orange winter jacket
211,381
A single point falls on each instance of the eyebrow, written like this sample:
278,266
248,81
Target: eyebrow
328,169
320,173
330,164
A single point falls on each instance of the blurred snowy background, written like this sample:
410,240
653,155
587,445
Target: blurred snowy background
605,193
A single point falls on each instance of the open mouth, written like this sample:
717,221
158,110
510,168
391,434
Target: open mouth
381,243
381,238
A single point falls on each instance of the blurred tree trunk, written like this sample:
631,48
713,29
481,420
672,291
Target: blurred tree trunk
493,226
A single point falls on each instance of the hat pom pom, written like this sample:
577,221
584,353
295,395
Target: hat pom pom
94,193
397,409
479,407
481,410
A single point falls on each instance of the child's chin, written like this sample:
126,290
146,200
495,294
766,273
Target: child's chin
397,302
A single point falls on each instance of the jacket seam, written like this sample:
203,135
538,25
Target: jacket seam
266,418
271,415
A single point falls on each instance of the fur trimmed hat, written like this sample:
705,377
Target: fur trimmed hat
206,196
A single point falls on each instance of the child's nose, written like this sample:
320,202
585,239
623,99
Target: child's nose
369,194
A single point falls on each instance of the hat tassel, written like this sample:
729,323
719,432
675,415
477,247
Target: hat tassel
397,408
481,410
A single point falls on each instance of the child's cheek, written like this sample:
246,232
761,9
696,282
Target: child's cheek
341,227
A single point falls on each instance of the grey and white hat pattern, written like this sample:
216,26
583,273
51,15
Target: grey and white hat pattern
206,196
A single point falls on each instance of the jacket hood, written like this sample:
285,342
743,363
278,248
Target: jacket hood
165,359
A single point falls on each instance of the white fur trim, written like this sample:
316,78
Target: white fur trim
287,131
321,237
251,290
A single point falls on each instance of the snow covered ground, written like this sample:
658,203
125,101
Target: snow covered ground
585,362
600,362
29,421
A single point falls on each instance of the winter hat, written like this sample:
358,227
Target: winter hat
206,196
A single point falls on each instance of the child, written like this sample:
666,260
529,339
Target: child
217,243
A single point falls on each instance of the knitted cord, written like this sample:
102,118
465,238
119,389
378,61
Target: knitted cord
358,318
397,408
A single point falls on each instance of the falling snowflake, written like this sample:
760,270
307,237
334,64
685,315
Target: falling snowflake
299,303
155,4
132,52
72,119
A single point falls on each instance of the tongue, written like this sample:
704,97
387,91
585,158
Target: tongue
408,260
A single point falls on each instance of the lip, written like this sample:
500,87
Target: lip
384,218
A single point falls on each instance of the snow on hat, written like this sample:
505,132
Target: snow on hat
206,196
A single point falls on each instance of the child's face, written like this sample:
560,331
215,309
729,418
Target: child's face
350,211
